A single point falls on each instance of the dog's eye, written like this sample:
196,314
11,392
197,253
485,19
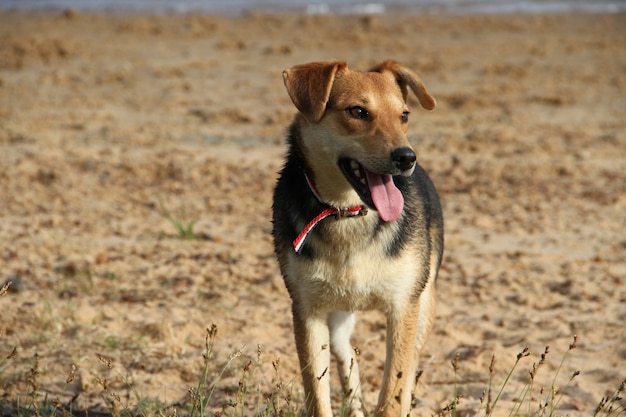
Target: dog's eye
404,117
357,112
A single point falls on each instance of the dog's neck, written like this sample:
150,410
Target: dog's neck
338,213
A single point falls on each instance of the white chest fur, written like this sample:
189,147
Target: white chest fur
353,271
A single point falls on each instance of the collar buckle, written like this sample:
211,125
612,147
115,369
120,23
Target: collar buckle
356,211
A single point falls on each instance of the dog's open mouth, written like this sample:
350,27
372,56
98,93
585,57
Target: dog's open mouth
377,191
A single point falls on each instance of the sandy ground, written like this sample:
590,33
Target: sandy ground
110,123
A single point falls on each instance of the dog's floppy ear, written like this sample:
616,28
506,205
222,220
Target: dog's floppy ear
309,86
405,77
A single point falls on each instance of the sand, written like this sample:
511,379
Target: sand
113,126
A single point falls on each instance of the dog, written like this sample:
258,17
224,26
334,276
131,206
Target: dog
357,225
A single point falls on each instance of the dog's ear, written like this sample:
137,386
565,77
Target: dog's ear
405,77
309,86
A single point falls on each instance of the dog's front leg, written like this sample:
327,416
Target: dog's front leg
400,364
341,324
312,343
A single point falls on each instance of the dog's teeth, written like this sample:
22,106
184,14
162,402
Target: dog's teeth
354,165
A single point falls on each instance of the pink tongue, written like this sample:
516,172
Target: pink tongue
386,196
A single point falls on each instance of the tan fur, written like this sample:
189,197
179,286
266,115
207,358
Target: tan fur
356,274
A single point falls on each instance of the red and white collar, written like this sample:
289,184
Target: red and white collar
338,213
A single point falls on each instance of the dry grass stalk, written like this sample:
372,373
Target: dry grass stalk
5,288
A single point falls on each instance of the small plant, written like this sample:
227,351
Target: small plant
455,402
200,399
279,401
612,405
546,400
452,407
183,225
34,385
524,353
552,402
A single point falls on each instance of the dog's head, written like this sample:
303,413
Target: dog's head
355,125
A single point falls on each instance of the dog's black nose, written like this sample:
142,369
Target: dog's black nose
403,158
